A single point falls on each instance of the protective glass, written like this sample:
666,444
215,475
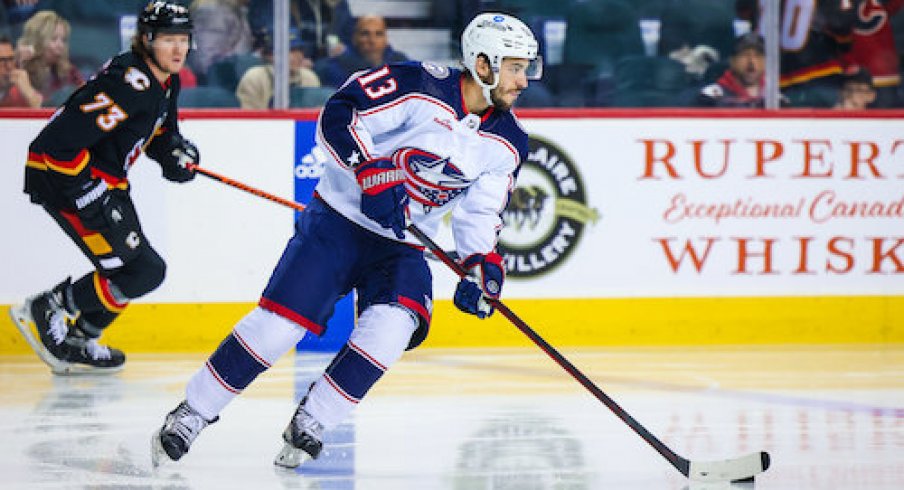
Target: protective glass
535,68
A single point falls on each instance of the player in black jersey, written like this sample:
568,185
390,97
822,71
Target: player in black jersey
77,170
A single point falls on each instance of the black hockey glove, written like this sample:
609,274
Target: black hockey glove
99,208
175,165
90,202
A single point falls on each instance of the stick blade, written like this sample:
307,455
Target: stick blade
743,468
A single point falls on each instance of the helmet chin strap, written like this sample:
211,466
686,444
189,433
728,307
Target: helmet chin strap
486,88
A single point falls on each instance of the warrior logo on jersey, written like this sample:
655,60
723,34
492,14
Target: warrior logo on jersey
431,179
546,213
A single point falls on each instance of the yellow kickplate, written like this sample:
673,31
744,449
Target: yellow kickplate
583,322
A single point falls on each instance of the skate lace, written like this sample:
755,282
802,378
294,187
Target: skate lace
96,351
187,423
308,424
57,327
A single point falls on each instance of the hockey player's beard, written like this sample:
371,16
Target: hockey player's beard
498,102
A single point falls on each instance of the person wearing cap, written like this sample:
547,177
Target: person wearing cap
255,89
741,85
857,89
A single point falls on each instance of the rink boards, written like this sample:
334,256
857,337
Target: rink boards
632,228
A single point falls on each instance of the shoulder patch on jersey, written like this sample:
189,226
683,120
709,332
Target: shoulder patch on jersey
137,79
435,69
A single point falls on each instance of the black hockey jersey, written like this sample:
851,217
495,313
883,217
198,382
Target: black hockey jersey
814,36
101,130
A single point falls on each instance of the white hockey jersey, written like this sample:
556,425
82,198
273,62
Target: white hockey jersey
454,160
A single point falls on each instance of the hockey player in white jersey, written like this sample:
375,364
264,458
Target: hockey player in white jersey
408,142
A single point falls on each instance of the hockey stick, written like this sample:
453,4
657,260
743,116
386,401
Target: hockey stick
739,469
734,470
247,188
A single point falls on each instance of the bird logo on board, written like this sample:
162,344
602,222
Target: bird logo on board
546,214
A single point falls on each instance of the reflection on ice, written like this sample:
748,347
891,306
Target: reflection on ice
461,420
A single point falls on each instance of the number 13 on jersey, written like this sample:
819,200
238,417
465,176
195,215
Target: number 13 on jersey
378,84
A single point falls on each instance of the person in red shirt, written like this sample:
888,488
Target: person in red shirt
814,37
873,48
15,87
43,51
742,83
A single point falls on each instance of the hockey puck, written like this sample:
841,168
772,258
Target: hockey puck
744,480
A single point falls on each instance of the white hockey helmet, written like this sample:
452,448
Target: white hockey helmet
499,36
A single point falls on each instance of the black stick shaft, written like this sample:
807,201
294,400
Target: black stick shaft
680,463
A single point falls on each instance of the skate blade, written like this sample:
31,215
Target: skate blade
290,457
158,454
21,316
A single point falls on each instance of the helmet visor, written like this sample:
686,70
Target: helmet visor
534,68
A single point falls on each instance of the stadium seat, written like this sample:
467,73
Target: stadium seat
309,96
698,22
59,97
4,20
105,11
90,45
601,32
642,81
207,97
227,72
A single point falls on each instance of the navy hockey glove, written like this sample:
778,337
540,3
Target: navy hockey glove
384,198
484,281
174,162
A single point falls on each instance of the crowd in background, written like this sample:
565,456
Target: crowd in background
598,53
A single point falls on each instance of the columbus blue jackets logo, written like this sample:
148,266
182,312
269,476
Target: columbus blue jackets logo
546,214
432,180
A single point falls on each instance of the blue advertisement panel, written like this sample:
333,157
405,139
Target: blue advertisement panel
308,163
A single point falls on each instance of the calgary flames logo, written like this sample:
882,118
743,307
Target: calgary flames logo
432,181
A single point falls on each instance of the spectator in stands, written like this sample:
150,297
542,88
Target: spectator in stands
221,30
741,85
43,52
15,87
874,49
857,90
255,90
812,49
326,25
370,48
